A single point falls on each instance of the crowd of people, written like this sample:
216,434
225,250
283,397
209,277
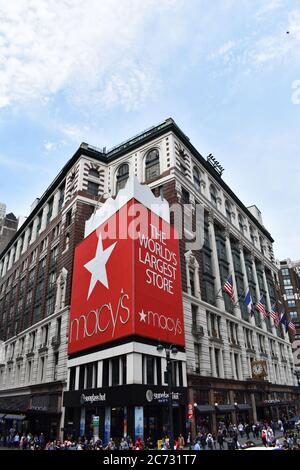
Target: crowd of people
230,436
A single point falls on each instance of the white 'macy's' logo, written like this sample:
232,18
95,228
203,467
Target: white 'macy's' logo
173,325
97,265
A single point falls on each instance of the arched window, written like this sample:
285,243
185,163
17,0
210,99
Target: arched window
252,237
152,165
228,210
213,195
94,173
122,176
196,177
262,246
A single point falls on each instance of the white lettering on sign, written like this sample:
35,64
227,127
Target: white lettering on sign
96,321
92,398
161,321
160,261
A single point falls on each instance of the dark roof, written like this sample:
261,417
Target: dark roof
11,216
104,156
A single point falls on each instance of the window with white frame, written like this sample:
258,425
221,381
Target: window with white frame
196,177
152,167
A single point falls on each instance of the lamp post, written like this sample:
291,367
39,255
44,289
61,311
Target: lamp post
171,349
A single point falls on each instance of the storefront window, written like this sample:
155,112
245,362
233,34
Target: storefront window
117,423
240,397
201,397
221,397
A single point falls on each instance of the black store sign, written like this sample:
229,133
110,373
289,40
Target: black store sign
126,395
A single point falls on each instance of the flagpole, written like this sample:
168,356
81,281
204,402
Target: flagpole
239,298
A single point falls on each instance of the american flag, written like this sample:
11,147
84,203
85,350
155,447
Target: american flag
228,287
292,326
261,306
275,315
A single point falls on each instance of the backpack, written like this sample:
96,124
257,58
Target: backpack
210,442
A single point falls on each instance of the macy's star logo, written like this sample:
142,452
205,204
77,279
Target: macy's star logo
97,265
143,316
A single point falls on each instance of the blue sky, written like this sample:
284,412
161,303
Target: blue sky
101,71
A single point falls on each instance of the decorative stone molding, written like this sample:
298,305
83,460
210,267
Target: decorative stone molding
191,260
211,216
61,284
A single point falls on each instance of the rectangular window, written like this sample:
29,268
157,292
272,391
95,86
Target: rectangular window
42,368
95,374
68,218
180,374
29,369
158,370
289,291
115,371
105,373
192,281
291,303
72,378
81,377
89,375
58,328
194,315
93,188
197,352
185,198
124,369
217,360
150,370
56,358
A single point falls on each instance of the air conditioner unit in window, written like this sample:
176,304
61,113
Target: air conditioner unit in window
197,330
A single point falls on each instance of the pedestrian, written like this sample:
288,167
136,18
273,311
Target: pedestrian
189,441
241,429
203,441
264,437
235,441
210,441
220,439
197,446
181,442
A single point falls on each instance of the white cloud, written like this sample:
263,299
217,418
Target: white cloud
49,146
223,52
268,7
19,165
93,50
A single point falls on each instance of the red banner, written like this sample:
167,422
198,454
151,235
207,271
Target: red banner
126,281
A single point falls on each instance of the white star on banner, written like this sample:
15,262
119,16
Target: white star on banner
97,265
143,316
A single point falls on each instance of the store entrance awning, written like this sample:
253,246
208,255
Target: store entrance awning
205,408
225,408
1,415
243,406
16,417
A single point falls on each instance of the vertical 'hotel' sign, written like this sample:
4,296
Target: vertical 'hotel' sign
126,278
